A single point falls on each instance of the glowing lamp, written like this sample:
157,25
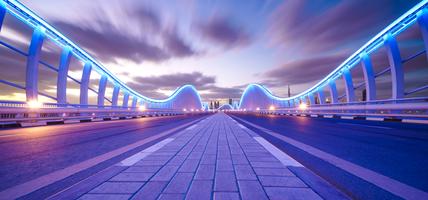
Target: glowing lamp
271,107
142,108
257,108
303,106
34,104
184,109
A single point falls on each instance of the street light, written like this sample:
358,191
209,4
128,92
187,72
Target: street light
272,107
142,108
303,106
34,104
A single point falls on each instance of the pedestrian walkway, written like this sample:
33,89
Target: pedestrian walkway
216,158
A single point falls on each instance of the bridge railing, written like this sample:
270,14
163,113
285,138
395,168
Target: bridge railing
123,98
403,101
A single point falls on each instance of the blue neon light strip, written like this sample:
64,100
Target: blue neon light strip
396,27
23,13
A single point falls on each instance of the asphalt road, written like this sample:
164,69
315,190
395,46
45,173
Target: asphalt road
396,150
28,153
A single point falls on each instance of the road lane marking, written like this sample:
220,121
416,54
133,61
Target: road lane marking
381,127
40,182
144,153
416,121
284,158
391,185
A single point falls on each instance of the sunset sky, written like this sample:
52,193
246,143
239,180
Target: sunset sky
219,46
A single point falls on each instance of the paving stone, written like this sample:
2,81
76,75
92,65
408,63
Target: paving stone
262,159
189,165
208,159
200,190
244,172
105,196
134,176
118,187
171,197
151,190
239,159
165,173
281,181
267,164
226,196
151,157
205,172
225,182
273,171
224,165
180,183
283,193
250,190
143,168
150,162
177,160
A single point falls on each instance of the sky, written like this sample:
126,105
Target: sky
219,46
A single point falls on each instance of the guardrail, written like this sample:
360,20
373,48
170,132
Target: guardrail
34,111
257,98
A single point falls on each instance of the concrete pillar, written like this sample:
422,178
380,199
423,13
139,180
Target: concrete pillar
115,96
102,90
32,70
333,91
84,84
125,99
134,102
397,74
64,63
350,94
369,77
321,96
311,99
423,26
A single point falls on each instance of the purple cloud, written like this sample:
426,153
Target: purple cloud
222,31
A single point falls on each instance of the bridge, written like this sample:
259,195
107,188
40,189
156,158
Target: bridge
336,140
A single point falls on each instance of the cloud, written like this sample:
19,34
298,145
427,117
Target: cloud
304,70
221,31
326,26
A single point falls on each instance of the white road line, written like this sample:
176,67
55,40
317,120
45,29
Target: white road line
374,118
416,121
191,127
142,154
280,155
242,126
347,117
381,127
391,185
40,182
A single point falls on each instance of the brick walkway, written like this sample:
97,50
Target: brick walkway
214,159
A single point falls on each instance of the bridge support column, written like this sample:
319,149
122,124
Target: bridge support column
397,74
32,70
311,99
61,88
2,13
350,94
423,26
333,91
102,90
84,84
134,102
115,96
321,96
125,99
369,78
